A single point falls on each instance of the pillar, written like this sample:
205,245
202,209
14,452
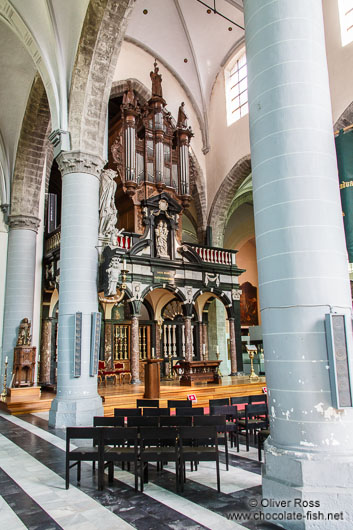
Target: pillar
45,351
19,289
108,354
205,339
302,260
188,339
233,349
158,340
217,335
77,399
134,351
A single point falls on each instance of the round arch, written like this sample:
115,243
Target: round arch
222,202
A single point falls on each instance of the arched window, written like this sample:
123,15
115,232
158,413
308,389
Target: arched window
236,77
346,20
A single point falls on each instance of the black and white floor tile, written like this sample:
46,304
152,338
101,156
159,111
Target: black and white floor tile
33,494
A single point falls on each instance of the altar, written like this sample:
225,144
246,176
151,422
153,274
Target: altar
193,372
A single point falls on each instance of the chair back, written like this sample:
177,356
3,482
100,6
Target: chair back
239,400
83,433
163,435
217,421
176,403
190,411
258,398
118,366
230,411
218,402
142,421
147,403
156,412
101,421
101,365
127,412
256,410
175,421
200,435
117,436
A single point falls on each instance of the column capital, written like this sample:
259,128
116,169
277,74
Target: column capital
80,162
24,222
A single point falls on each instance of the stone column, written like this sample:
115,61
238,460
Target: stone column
45,351
233,349
302,260
205,339
108,354
158,340
77,400
134,351
200,341
188,339
19,289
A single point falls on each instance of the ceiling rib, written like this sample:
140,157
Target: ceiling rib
206,147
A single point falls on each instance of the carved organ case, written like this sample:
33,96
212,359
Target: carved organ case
150,153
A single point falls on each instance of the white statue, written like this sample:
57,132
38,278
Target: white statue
162,239
108,214
113,272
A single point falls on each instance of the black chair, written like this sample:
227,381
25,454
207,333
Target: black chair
101,421
256,418
119,445
175,421
198,444
258,398
156,412
161,446
85,453
240,402
220,423
218,402
127,412
142,421
261,437
190,411
231,414
176,403
147,403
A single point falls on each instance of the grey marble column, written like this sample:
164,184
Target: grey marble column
205,339
77,399
19,290
45,351
134,351
188,340
302,260
233,349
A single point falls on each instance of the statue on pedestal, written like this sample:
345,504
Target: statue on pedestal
162,239
182,117
156,81
108,214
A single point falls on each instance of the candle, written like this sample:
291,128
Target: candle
6,359
152,352
124,264
217,349
204,348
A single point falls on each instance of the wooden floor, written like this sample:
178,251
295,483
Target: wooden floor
125,395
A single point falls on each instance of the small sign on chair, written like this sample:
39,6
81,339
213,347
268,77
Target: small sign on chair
192,397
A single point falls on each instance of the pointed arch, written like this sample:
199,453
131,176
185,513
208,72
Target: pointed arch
100,43
223,200
32,148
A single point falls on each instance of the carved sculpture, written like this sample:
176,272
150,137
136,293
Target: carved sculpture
162,239
129,98
156,81
108,214
24,333
113,273
182,117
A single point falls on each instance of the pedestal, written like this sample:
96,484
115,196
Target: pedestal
152,378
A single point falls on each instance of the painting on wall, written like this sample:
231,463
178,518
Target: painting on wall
248,305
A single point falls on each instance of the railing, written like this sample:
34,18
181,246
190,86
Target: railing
215,255
53,241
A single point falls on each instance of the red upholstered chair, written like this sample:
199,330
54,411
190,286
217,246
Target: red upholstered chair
121,372
101,371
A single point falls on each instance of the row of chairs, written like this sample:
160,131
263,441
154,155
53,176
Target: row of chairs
177,403
141,445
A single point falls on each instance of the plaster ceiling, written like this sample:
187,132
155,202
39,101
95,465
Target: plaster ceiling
172,30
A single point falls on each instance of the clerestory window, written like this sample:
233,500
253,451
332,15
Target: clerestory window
236,77
346,20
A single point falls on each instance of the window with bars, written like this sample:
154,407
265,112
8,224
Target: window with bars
237,89
346,20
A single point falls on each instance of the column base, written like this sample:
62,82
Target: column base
136,382
74,412
310,490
